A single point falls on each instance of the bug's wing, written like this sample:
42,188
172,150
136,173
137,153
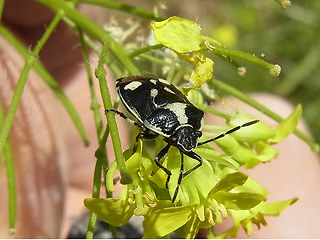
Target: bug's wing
167,93
162,121
136,98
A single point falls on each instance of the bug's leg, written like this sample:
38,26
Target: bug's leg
144,135
229,131
125,118
181,175
160,155
196,157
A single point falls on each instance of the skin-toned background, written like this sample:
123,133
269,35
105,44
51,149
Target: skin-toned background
54,170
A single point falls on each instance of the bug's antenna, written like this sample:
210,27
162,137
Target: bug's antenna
229,131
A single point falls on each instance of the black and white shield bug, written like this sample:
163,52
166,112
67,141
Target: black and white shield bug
159,108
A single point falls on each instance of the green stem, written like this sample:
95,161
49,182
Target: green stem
93,29
22,82
48,79
210,110
12,196
218,49
105,94
132,10
144,49
100,154
11,179
95,106
112,65
95,194
1,9
243,97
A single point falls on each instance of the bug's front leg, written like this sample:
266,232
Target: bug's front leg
196,157
160,155
181,175
143,135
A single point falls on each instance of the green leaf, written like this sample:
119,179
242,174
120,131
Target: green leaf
116,212
239,151
179,34
246,218
190,229
251,186
214,157
199,182
253,133
288,125
230,181
134,162
166,220
273,209
265,153
240,201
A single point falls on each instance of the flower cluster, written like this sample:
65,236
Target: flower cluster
215,190
206,196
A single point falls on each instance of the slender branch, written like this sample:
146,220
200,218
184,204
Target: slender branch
243,97
1,9
95,107
132,10
48,79
94,30
213,46
144,49
101,154
8,121
105,94
11,179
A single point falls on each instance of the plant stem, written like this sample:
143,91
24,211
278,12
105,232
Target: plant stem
1,9
11,179
95,194
217,48
105,94
48,79
101,155
144,49
213,111
243,97
95,107
94,30
132,10
22,81
12,196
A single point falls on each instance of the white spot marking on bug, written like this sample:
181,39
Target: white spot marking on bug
201,123
179,110
155,129
154,81
169,90
153,93
164,81
133,85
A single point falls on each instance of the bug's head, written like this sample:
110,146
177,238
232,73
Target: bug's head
186,138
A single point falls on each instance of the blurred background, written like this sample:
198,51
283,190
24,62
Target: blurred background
288,37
